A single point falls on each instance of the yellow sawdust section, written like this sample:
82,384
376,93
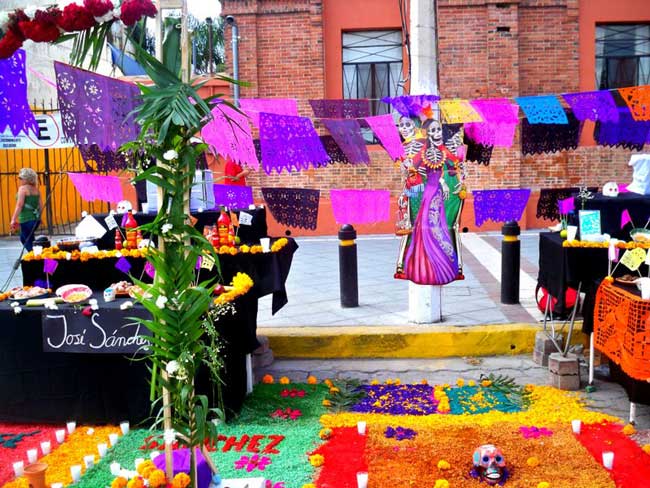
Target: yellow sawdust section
408,341
562,460
549,405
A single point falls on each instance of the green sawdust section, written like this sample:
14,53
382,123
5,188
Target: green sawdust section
290,464
413,341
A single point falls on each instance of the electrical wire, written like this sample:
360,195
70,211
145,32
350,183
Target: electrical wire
406,39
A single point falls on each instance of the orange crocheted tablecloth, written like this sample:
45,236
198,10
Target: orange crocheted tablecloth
622,329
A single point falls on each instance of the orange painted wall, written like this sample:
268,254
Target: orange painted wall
352,15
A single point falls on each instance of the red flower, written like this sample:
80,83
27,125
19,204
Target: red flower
43,27
76,18
9,44
98,7
133,10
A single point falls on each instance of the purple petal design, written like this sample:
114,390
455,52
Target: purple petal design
50,265
499,205
15,113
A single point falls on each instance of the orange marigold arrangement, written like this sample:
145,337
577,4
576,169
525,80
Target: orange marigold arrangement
150,475
83,256
240,285
605,244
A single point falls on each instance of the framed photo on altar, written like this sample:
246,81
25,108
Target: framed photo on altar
589,222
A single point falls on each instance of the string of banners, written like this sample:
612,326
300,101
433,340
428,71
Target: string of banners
95,111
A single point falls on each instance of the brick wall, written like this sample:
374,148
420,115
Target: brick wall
487,48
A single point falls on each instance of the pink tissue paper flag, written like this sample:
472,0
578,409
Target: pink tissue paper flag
566,206
625,218
150,270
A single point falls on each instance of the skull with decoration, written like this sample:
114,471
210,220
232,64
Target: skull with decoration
489,465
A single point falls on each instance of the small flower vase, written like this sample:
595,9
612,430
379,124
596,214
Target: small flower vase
35,474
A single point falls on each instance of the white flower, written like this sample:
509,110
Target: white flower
68,256
4,19
161,301
166,228
14,304
30,11
127,304
17,310
169,436
172,367
170,155
196,140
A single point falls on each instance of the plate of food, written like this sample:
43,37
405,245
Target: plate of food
640,235
27,293
136,292
74,293
121,288
626,279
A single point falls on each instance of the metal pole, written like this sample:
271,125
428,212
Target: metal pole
235,61
348,276
48,192
209,22
510,253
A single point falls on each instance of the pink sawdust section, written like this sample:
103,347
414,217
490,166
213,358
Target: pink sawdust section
18,435
344,458
631,465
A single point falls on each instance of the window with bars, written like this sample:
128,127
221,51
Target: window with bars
372,66
622,55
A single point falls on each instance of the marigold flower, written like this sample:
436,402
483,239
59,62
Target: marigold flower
136,482
327,403
285,380
119,482
460,382
145,465
443,465
543,484
389,381
441,484
629,429
325,433
181,480
328,382
471,383
316,460
424,382
646,448
532,461
157,478
312,380
334,389
309,485
268,379
486,383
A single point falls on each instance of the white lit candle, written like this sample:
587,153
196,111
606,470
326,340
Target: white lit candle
101,449
60,436
576,425
125,428
362,480
112,438
46,447
361,427
89,460
19,468
71,426
608,459
75,471
32,456
57,485
115,469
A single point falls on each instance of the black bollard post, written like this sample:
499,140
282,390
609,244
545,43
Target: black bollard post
348,278
510,252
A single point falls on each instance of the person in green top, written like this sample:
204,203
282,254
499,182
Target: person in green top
27,214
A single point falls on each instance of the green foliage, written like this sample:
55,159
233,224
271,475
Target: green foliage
518,396
349,393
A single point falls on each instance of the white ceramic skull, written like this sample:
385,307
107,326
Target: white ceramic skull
434,131
406,127
610,189
124,206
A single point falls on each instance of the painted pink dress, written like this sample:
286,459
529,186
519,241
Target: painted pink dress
431,258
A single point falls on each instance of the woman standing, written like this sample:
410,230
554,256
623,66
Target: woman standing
27,213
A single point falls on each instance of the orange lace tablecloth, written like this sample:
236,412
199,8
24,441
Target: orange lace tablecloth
622,329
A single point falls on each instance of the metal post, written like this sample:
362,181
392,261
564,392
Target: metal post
209,22
510,252
348,278
235,57
48,192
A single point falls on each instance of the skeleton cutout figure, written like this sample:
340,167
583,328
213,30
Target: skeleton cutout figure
429,254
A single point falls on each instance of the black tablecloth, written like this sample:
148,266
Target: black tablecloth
564,267
42,386
637,391
248,234
269,272
611,210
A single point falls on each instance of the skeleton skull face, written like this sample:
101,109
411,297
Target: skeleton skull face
610,189
490,464
406,127
124,206
434,131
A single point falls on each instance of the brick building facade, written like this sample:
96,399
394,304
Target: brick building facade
487,48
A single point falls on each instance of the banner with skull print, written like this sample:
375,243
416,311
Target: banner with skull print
430,204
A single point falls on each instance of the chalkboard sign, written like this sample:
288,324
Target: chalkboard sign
106,331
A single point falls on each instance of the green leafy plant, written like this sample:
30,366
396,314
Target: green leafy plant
344,394
518,396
